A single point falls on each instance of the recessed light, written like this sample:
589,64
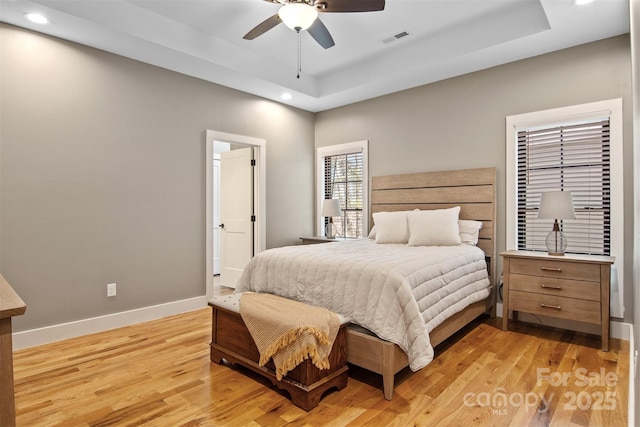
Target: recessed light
36,18
286,96
582,2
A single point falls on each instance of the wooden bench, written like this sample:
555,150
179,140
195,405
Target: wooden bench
305,384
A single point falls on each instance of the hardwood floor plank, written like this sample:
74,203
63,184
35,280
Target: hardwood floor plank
159,374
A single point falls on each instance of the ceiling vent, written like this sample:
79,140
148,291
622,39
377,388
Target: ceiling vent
395,37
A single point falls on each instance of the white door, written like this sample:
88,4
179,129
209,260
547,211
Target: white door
216,216
236,212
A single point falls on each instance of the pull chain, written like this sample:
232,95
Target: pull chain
299,54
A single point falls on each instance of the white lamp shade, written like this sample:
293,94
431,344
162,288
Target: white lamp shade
331,207
298,16
556,205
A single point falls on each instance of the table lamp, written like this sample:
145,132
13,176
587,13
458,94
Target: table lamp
330,208
556,205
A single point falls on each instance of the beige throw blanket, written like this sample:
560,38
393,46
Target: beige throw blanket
288,331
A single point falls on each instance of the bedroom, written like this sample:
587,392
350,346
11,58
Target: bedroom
114,188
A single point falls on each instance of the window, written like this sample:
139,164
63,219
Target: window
577,149
342,174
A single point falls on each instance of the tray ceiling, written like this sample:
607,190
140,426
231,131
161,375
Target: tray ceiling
373,56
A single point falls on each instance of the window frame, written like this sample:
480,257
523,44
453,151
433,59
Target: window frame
335,150
609,108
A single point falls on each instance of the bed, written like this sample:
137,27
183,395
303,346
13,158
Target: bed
400,306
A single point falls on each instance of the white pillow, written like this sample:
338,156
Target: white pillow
469,231
391,227
438,227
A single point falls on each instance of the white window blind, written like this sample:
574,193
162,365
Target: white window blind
572,157
343,180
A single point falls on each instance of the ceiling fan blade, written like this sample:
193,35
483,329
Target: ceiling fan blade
320,34
350,5
263,27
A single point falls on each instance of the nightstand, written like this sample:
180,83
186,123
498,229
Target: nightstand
316,239
572,287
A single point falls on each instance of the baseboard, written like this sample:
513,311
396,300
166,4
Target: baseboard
633,377
617,329
63,331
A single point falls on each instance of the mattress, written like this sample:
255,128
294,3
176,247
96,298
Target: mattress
398,292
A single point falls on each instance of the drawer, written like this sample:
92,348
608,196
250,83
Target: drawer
559,269
555,306
555,286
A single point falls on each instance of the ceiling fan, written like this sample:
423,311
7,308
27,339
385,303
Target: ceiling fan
300,15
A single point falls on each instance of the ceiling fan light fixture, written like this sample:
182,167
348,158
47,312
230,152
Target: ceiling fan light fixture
298,16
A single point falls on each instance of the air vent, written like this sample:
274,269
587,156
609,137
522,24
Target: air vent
395,37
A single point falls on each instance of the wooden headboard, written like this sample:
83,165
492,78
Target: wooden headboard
474,190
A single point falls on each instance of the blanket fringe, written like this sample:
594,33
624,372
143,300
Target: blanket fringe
300,356
308,351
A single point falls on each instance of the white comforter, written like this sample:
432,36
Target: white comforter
399,292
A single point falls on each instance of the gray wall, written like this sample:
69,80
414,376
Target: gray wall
460,122
102,160
102,176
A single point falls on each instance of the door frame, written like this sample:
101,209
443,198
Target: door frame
259,182
215,202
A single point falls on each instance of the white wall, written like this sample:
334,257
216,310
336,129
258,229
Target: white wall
635,67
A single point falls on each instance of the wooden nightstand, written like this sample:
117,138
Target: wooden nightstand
316,239
573,287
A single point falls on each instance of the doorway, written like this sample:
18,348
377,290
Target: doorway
218,148
213,139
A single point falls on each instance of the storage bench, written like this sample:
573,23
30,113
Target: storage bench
305,384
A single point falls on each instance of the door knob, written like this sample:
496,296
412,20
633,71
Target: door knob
221,225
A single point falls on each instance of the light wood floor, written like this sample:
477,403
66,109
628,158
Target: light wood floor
159,374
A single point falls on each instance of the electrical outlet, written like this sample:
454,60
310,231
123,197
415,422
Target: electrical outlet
111,290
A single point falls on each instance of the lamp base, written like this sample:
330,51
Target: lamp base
556,253
556,242
328,231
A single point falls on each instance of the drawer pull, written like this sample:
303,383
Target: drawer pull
556,270
557,288
555,307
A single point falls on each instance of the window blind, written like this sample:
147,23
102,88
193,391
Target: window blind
343,180
571,157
